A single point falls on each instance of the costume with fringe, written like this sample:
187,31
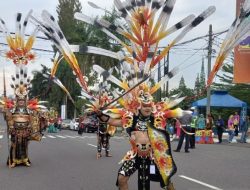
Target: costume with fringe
23,115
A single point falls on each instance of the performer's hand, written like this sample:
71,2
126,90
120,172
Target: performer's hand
103,117
187,112
98,113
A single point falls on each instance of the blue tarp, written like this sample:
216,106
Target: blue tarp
221,99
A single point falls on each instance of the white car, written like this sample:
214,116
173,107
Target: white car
74,124
66,123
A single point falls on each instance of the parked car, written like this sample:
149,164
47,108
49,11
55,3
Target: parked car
66,123
89,124
74,124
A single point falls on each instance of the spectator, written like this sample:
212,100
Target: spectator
209,122
245,128
178,127
230,125
236,121
59,123
170,127
201,123
220,127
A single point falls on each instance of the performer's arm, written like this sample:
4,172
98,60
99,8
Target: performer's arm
115,122
110,121
176,113
10,122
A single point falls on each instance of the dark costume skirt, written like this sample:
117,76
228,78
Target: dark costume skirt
18,151
144,166
103,142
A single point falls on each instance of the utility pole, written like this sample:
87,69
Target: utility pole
209,56
159,78
4,84
166,70
66,106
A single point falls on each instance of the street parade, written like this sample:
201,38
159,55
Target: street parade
101,77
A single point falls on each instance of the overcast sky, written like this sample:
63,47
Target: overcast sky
188,57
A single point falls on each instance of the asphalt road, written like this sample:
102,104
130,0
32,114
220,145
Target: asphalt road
64,161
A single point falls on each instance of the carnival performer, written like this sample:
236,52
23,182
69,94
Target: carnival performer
21,113
103,138
23,124
19,127
136,110
52,120
104,131
148,149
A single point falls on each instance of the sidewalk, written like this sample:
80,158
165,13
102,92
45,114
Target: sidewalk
235,141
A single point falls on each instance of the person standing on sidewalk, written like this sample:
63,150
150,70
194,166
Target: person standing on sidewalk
230,125
201,122
219,123
185,121
245,128
236,121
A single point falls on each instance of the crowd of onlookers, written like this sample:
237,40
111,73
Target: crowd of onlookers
233,126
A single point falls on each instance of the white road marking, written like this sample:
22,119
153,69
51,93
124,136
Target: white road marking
200,182
61,136
51,136
115,137
72,137
95,146
83,137
92,145
90,137
1,136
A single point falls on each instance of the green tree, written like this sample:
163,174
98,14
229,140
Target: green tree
66,10
40,84
184,91
182,84
202,77
197,85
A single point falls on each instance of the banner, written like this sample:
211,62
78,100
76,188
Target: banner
242,55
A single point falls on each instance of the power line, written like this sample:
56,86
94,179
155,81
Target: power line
175,46
36,49
39,37
201,37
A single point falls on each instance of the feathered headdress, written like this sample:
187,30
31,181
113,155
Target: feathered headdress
101,94
52,30
146,23
20,48
138,58
20,54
